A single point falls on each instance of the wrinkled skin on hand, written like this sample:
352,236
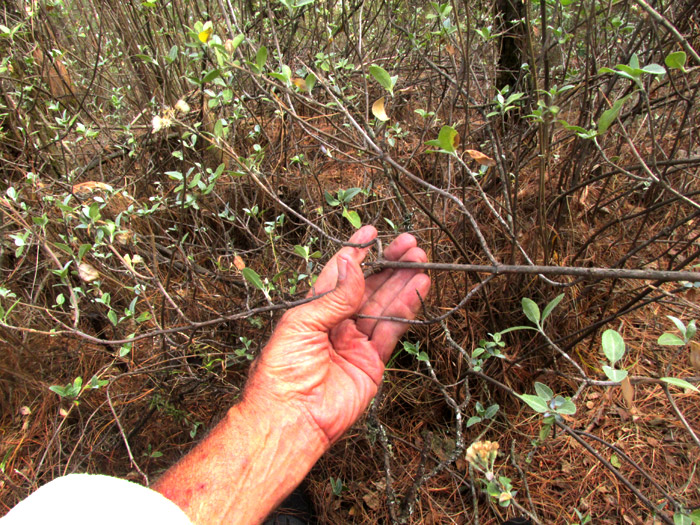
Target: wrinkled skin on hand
325,362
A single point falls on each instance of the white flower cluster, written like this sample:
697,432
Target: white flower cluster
167,118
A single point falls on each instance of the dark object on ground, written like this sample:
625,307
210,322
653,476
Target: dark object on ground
295,510
517,521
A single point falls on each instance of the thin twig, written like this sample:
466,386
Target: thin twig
650,505
589,273
123,434
671,28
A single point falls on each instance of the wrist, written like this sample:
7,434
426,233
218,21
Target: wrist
272,417
247,465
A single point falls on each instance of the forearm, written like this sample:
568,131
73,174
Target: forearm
246,466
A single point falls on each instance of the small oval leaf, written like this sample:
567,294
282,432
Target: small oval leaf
384,78
448,138
253,278
531,310
676,60
543,391
613,346
668,339
536,403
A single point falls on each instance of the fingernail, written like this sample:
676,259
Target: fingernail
342,268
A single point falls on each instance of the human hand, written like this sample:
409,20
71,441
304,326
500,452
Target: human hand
323,361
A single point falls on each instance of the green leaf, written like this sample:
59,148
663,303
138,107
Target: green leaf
633,73
310,82
237,42
615,461
473,421
543,391
491,411
302,251
682,383
125,349
634,61
384,79
551,306
147,59
614,374
253,278
676,60
517,328
668,339
531,310
447,140
172,54
535,402
568,408
411,348
60,390
84,248
695,516
261,57
609,116
70,390
285,74
353,217
95,382
213,74
63,247
680,518
546,428
348,194
679,324
654,69
613,346
447,137
332,201
113,318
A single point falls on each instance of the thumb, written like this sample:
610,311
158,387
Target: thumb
340,303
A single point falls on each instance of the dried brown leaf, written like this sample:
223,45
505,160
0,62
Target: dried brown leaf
695,355
372,500
628,392
87,272
480,158
379,111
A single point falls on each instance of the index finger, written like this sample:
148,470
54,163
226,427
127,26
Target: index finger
329,275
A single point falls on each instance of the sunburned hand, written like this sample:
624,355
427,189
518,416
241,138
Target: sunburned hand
324,361
311,382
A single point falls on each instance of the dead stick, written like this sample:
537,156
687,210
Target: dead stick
588,273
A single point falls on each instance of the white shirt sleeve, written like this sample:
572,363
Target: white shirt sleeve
85,498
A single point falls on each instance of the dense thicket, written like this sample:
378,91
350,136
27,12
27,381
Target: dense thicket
174,173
